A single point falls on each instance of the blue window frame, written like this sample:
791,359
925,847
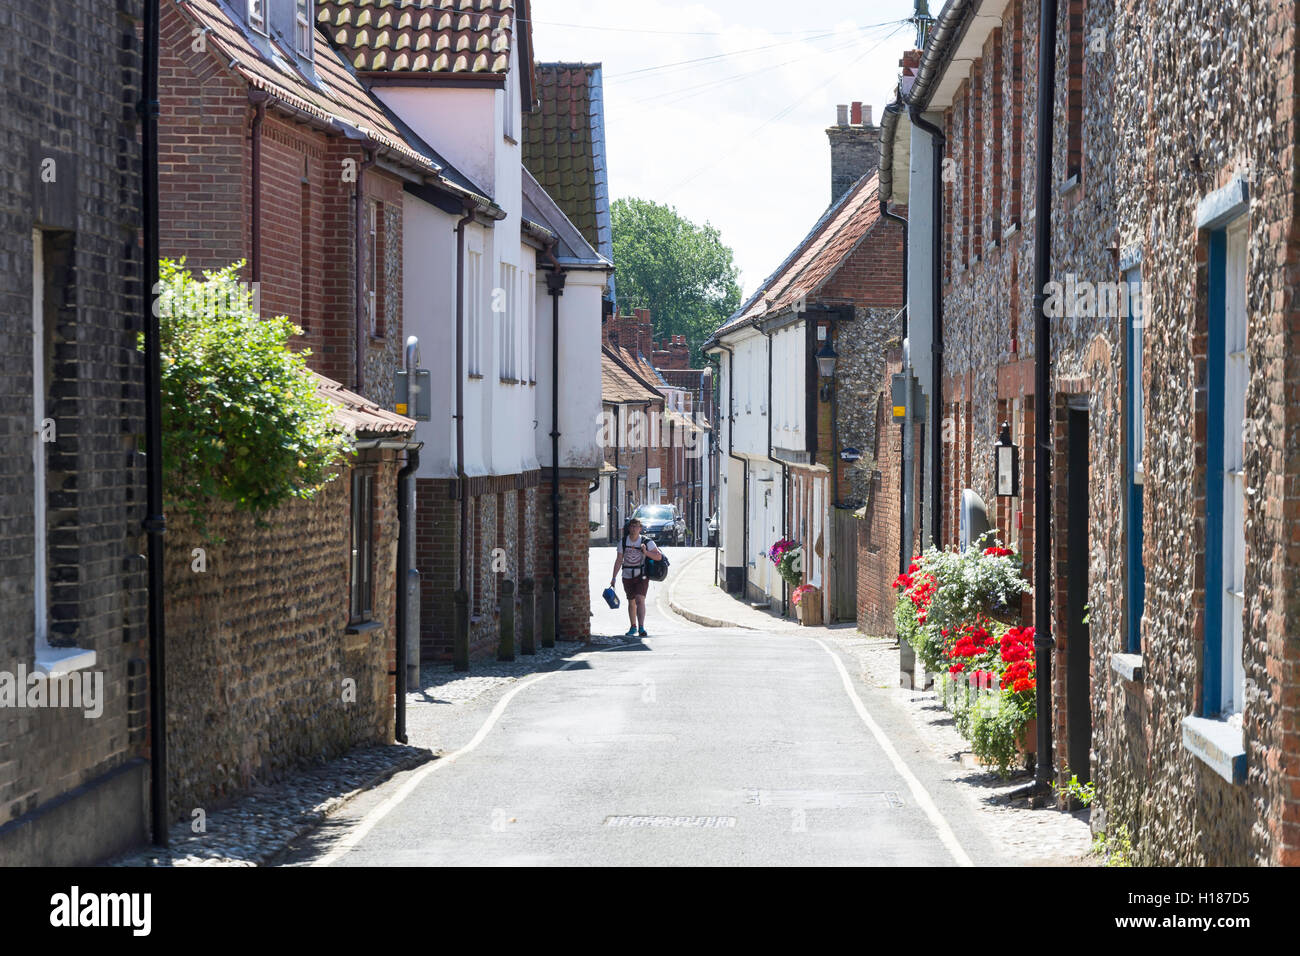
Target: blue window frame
1224,668
1134,402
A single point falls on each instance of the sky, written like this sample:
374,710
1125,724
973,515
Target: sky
737,137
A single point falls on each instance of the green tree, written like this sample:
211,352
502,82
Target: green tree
241,418
681,272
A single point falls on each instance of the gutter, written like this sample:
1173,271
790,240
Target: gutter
731,453
404,568
258,98
461,654
936,310
785,477
359,209
1044,410
155,522
892,112
555,280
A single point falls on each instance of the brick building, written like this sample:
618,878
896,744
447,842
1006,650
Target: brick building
798,445
73,782
257,164
1173,498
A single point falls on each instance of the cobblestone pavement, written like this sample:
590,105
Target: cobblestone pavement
256,829
260,827
1032,837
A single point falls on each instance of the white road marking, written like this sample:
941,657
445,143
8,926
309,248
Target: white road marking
923,800
371,819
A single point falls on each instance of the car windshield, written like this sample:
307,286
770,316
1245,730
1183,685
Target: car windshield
654,513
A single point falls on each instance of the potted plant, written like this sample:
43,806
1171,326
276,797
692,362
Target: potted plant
807,604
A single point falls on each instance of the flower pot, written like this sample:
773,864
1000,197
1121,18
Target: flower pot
810,609
1027,742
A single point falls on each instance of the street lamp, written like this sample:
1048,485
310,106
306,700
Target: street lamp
1008,464
826,357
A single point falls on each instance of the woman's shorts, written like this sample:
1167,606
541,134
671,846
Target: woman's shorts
636,587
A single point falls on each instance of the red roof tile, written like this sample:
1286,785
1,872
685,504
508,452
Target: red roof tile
342,99
431,36
817,258
358,415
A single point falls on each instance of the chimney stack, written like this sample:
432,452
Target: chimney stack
855,147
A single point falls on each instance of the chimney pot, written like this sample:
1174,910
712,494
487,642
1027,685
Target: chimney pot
866,114
842,115
855,114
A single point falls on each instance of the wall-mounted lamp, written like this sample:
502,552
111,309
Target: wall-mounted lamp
1008,464
826,357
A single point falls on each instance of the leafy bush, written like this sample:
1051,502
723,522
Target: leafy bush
995,727
242,422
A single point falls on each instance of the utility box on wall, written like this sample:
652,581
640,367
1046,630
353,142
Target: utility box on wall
413,398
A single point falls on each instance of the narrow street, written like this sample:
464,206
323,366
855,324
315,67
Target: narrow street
695,746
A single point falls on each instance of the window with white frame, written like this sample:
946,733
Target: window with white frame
508,306
1135,403
257,15
474,311
303,28
530,344
1236,374
373,257
40,593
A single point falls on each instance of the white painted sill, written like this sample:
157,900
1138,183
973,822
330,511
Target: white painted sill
1128,666
59,661
1219,744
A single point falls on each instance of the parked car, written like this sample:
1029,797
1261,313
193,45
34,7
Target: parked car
662,524
713,529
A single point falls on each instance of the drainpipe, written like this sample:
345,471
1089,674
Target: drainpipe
936,311
258,98
613,480
359,206
785,597
903,531
1043,404
460,392
555,280
731,453
404,567
155,522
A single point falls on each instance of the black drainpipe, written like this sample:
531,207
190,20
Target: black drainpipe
403,571
936,343
785,588
359,205
155,522
258,98
744,488
903,543
1043,404
555,280
461,482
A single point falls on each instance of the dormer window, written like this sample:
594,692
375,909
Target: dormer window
303,30
257,15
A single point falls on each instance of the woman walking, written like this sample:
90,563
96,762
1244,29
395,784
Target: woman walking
631,559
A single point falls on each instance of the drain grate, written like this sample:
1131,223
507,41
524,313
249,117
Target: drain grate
648,820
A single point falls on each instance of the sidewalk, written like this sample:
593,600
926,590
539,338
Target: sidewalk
694,596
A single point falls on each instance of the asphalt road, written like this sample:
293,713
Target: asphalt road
694,746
